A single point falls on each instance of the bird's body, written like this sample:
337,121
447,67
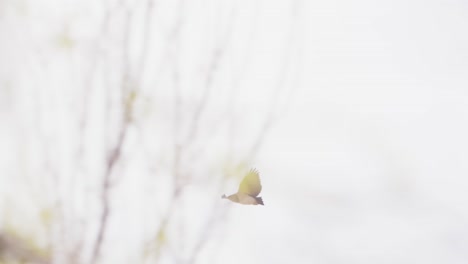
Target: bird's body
249,189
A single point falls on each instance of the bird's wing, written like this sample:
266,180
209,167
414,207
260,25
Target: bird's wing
251,184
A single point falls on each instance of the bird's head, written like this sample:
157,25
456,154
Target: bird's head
224,196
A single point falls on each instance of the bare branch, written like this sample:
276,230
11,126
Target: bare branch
105,188
258,142
217,56
177,147
117,149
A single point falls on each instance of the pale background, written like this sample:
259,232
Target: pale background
354,112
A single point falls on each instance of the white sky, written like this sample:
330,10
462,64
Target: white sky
366,163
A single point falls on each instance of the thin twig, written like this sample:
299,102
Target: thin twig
218,54
258,142
117,150
176,165
105,188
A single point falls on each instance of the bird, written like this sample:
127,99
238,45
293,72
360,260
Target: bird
249,189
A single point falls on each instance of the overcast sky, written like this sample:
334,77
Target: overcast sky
366,161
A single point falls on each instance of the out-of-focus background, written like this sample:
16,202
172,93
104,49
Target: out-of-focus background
122,122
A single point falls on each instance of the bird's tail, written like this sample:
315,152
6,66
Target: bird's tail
259,200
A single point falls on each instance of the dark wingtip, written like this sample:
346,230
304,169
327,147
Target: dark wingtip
223,196
259,200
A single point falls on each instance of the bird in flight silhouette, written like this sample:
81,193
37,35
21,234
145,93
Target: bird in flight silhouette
249,189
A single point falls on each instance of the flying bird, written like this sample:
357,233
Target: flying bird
249,188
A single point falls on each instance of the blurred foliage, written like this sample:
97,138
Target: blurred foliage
129,103
161,237
153,249
18,248
64,41
47,216
21,242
